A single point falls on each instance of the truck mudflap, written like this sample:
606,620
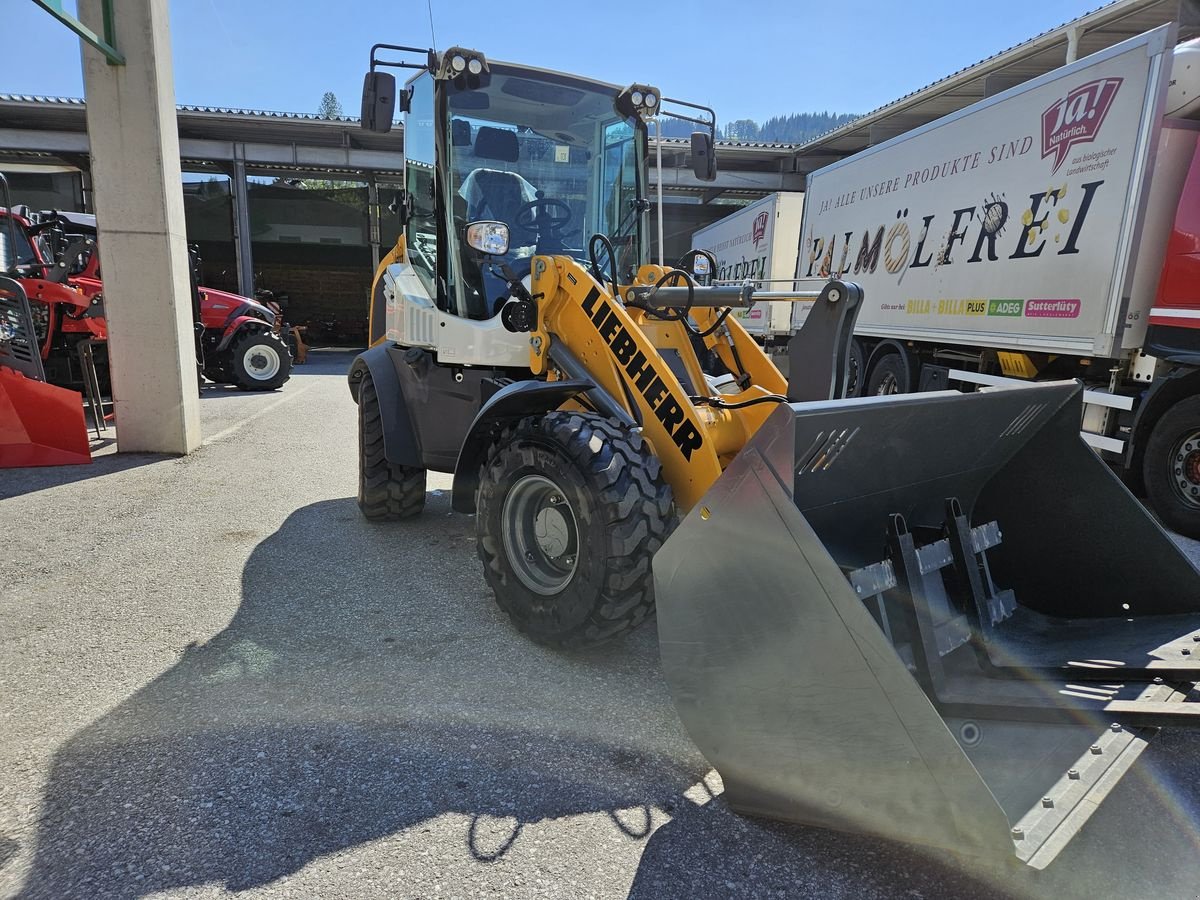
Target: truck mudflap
937,618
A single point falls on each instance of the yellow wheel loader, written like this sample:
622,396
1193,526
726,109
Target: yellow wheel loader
910,616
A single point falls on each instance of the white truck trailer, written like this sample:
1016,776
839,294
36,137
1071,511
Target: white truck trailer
757,244
1051,231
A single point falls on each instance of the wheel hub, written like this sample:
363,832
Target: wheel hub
888,386
541,537
261,362
1185,467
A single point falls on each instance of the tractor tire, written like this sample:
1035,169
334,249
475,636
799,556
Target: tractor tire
570,511
888,376
387,491
1171,468
259,361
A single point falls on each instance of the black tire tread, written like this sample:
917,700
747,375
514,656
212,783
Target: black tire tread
1160,493
387,491
634,501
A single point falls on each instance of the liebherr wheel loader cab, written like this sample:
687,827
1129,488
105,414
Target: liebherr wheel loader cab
915,617
516,179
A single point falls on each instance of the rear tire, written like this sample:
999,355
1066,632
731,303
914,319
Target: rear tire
888,376
570,511
1171,467
387,491
857,366
259,361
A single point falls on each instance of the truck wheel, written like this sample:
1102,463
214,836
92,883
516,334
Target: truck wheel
259,361
570,510
1171,467
854,379
386,491
888,376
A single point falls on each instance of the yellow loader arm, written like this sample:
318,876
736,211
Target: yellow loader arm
641,354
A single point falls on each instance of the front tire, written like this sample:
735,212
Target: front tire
387,491
1171,467
260,361
570,511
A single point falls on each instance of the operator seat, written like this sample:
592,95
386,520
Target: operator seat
495,194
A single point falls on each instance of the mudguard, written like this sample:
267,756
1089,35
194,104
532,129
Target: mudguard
514,401
234,328
400,442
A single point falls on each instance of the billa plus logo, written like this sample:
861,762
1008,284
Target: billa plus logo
1076,118
758,230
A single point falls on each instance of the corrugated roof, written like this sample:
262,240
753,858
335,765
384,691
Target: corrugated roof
242,112
187,107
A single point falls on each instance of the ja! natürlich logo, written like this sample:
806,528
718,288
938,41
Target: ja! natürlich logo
758,230
1076,118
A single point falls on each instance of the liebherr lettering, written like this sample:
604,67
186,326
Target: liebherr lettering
686,436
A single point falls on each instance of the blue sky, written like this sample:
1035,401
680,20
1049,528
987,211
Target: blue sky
746,58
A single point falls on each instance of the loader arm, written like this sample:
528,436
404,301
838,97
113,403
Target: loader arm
644,360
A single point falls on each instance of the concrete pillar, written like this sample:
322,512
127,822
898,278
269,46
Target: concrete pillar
1072,44
242,248
139,211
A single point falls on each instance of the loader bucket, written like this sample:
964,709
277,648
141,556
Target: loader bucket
935,618
40,424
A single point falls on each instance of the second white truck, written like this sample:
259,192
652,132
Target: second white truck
758,244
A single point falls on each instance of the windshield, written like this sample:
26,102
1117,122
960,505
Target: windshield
551,158
24,250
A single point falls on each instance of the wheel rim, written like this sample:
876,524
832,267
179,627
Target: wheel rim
261,362
888,385
1185,468
541,537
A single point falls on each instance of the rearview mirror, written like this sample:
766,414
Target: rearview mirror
378,102
488,237
704,157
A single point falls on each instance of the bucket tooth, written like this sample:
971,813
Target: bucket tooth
929,636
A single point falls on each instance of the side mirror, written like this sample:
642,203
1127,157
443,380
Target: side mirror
378,102
704,157
488,237
400,207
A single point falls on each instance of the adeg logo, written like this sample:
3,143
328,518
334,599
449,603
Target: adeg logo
1076,118
758,231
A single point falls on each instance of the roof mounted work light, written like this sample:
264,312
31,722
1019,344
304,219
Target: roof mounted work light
640,100
458,61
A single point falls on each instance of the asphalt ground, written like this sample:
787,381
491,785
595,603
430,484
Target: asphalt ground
216,678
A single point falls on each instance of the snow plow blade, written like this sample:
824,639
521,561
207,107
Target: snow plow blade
935,618
40,424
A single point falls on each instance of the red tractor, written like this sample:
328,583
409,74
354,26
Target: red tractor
238,341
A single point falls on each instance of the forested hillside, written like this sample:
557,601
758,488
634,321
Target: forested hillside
794,129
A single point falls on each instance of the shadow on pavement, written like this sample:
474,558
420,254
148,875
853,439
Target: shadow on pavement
345,701
367,684
709,851
15,482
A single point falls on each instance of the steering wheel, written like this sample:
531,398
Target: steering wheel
544,218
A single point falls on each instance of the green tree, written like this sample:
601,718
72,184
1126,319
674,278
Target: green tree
330,108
